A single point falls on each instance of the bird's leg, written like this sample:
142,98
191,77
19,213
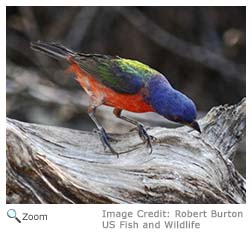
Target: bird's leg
102,133
141,130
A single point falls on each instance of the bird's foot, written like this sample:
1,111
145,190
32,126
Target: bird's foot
145,137
105,141
110,139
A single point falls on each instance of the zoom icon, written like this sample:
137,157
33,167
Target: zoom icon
11,213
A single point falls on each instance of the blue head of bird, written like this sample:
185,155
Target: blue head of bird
172,104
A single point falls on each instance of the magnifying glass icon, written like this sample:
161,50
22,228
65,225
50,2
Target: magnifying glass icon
11,213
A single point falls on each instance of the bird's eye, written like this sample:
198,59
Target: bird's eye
177,118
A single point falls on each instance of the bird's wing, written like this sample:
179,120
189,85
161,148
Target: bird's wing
122,75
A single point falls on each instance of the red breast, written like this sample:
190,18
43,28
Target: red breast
100,93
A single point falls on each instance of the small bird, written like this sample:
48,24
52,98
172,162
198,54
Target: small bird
123,84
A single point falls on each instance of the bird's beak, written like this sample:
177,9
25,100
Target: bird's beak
195,125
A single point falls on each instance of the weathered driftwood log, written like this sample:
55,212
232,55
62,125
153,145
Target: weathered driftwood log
56,165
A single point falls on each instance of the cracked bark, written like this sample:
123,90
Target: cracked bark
48,164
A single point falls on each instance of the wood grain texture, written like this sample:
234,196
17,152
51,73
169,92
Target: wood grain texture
48,164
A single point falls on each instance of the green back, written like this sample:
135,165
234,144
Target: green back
122,75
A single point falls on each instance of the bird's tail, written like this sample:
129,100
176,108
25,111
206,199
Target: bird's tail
54,50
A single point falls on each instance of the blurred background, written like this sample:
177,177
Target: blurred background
201,50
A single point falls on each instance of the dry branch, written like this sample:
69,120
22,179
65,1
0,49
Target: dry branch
48,164
178,46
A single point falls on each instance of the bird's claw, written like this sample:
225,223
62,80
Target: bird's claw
145,136
153,138
109,138
105,141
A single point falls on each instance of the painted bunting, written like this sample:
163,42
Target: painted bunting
123,84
